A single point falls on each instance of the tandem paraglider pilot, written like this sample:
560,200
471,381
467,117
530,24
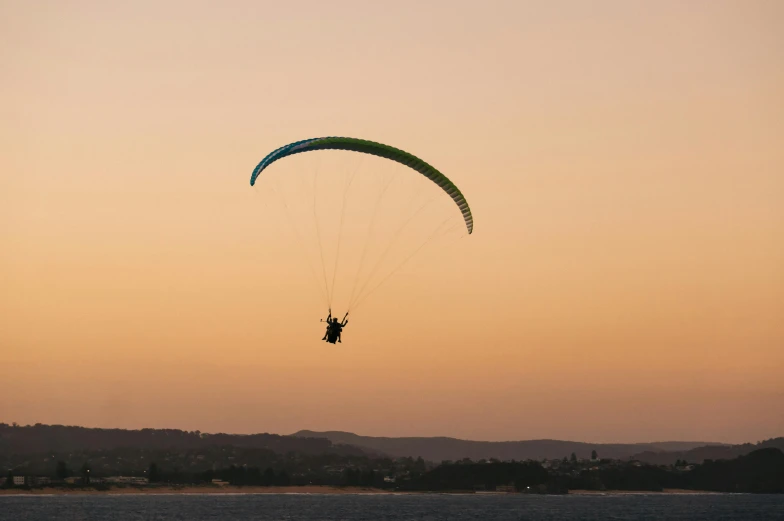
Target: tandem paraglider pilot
334,328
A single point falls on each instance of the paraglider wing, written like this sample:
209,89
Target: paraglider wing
375,149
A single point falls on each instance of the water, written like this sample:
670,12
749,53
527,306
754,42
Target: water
315,507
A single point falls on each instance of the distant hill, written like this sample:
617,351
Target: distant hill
759,471
35,439
714,452
438,449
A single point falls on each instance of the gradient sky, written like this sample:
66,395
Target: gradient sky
623,159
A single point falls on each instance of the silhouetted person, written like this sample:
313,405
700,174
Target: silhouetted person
329,325
337,328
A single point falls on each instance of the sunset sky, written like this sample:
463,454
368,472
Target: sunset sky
624,161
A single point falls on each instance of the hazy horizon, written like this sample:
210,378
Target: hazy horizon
623,161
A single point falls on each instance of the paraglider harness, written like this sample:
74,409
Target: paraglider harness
334,328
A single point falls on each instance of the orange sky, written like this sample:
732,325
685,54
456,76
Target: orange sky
623,161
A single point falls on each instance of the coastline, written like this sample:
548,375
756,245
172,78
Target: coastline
666,491
191,489
295,490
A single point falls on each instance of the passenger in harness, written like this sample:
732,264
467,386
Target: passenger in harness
334,328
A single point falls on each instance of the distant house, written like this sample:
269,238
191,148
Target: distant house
220,482
73,480
505,488
389,479
335,469
42,480
126,480
19,481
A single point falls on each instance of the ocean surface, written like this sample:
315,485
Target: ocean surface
362,507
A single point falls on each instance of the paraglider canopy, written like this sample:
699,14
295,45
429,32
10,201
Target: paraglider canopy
375,149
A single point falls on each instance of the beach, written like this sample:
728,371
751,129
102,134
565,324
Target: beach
677,491
308,489
190,489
